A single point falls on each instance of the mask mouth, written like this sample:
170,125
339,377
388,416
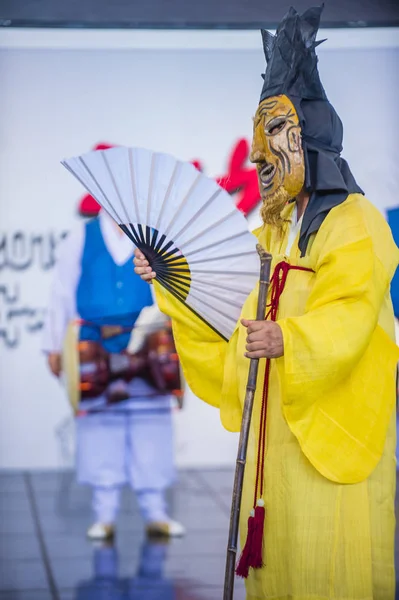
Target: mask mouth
266,174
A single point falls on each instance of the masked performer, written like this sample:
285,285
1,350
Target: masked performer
320,473
117,441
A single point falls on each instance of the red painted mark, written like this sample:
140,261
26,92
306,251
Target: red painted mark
241,179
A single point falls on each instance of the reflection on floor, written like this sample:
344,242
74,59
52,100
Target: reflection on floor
44,554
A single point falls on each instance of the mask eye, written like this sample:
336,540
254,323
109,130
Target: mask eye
275,126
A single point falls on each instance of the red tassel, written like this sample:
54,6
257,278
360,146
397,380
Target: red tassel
255,558
243,565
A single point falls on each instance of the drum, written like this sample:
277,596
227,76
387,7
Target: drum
70,364
90,371
163,365
85,367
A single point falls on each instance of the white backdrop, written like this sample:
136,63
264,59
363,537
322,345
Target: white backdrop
192,95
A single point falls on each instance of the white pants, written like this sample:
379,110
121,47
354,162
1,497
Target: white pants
118,448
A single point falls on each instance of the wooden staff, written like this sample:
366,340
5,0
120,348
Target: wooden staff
264,280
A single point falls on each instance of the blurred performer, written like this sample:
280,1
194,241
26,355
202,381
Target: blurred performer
317,511
393,220
124,432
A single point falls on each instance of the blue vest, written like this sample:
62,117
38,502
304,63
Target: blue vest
393,220
108,294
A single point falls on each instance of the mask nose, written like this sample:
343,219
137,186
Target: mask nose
257,156
257,153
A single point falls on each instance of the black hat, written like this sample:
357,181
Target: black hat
291,57
292,71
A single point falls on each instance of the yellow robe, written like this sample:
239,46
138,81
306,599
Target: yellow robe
330,452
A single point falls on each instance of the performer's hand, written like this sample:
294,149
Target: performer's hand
142,267
264,340
54,362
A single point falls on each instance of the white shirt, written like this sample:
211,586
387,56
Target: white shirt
397,331
295,228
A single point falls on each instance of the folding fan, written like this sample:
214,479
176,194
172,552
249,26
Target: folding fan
188,228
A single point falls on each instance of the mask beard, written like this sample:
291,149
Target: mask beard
272,206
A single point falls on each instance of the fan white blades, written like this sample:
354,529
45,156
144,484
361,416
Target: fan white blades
194,237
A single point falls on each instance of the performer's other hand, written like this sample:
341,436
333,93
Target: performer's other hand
264,339
142,267
54,362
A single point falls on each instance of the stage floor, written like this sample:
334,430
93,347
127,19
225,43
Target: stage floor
44,554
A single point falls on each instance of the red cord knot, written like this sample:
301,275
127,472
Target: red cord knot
277,285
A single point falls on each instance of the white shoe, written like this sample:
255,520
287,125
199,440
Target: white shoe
101,531
165,529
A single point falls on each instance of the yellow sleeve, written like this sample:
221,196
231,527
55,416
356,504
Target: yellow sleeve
201,350
337,374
